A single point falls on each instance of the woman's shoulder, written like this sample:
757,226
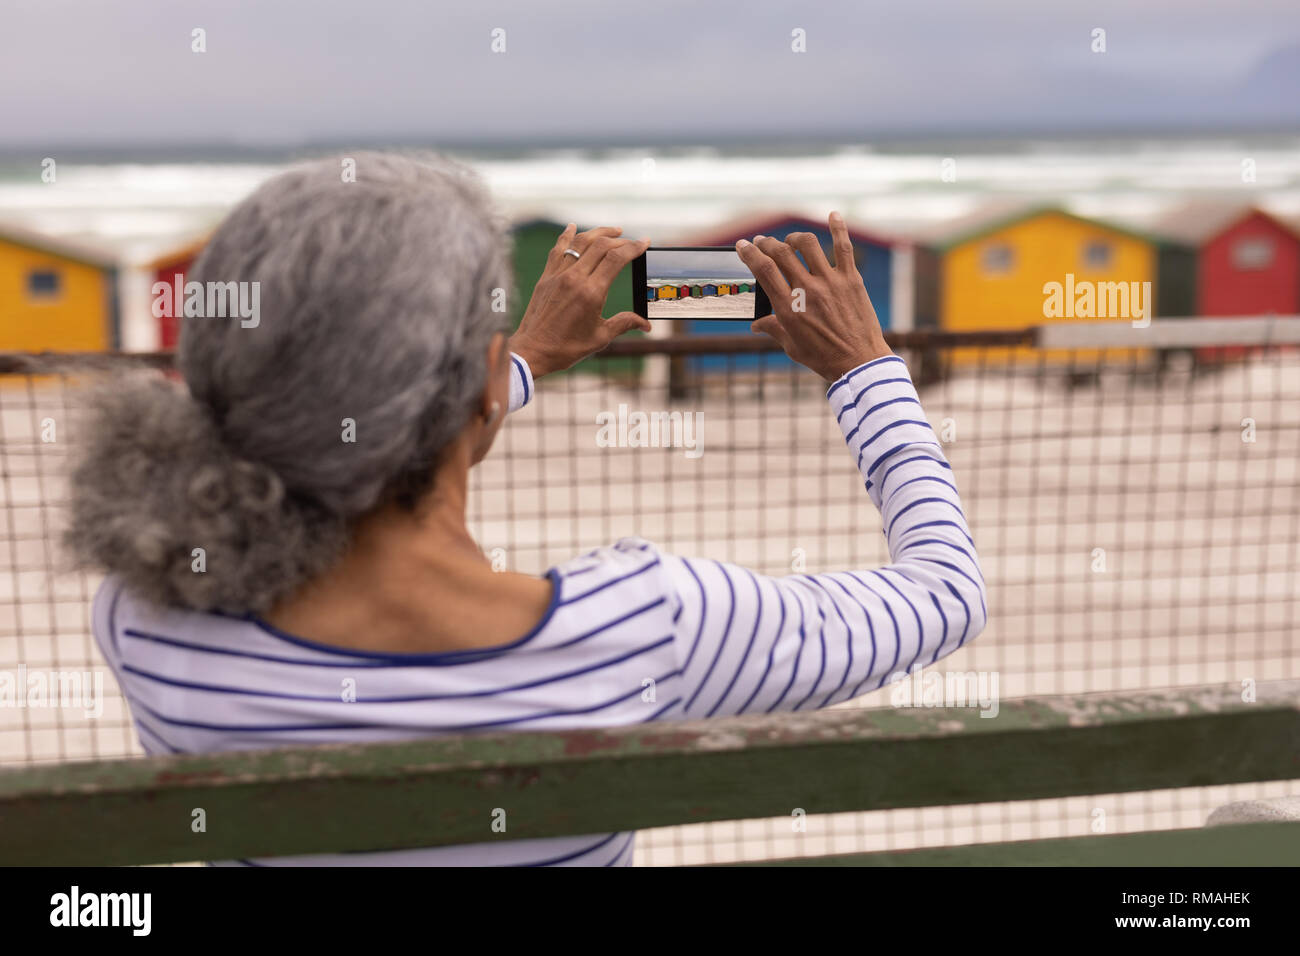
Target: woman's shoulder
117,613
623,553
622,590
629,564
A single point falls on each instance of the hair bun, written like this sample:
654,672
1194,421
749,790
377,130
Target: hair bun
152,480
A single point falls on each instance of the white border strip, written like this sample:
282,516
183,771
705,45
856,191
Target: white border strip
1173,333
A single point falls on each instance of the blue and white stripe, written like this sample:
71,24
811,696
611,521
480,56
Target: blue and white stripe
631,635
521,383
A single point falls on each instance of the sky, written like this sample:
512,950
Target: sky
687,265
288,73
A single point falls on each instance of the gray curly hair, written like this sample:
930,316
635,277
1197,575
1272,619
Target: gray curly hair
376,306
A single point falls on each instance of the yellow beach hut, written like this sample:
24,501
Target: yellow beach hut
55,295
1036,266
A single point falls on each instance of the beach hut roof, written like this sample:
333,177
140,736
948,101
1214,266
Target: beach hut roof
729,232
73,250
1201,220
995,217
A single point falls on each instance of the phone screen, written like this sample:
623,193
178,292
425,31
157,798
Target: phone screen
696,283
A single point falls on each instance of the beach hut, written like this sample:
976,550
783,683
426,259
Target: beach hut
166,268
744,287
873,252
724,289
1247,261
876,255
1000,269
988,270
684,292
710,290
532,240
649,293
56,294
666,292
697,291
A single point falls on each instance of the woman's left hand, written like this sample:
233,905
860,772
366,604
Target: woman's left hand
562,324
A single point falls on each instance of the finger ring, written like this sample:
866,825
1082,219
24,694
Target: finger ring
573,252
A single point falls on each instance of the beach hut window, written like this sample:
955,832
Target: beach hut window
42,284
997,258
1097,255
1252,254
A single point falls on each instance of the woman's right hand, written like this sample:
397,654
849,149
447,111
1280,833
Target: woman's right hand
821,315
562,324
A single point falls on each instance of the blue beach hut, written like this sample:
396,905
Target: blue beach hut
873,253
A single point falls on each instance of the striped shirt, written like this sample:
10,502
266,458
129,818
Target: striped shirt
632,634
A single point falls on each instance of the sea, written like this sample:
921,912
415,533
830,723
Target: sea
140,204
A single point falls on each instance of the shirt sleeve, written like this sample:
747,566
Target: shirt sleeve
748,643
521,382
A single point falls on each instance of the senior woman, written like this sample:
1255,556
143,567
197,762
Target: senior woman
285,537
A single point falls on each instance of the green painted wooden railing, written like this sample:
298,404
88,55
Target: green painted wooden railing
449,790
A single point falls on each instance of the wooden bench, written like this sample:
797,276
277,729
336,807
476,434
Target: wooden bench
445,790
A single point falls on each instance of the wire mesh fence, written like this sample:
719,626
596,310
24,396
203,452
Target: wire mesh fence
1136,509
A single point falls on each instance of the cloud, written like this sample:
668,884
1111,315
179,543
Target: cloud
282,72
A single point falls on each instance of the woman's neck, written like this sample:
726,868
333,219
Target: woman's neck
415,581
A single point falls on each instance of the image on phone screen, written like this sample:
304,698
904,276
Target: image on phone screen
698,284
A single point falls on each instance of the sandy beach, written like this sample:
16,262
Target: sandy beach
738,306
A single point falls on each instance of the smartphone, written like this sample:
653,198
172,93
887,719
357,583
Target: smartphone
696,282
